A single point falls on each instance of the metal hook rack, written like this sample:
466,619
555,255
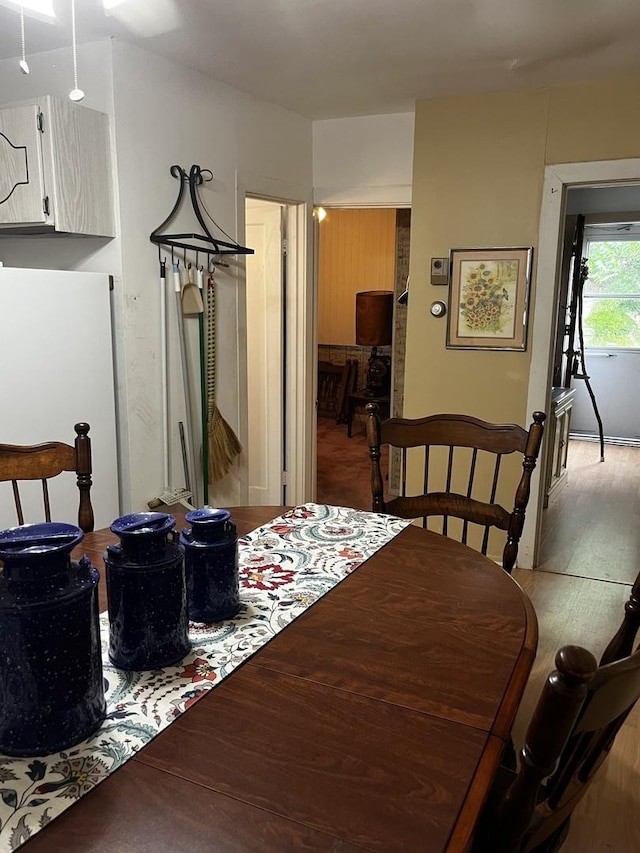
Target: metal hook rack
208,244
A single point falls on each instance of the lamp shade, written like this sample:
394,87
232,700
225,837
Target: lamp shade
374,318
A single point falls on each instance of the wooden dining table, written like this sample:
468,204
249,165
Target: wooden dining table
375,721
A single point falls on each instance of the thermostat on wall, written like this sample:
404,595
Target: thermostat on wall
439,270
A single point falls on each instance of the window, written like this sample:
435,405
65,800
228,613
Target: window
611,295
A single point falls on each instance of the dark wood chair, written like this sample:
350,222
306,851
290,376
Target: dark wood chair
335,383
44,461
455,433
579,713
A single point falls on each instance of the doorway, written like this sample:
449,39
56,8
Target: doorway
559,180
358,249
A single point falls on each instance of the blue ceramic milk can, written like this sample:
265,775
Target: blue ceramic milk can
211,563
146,592
51,687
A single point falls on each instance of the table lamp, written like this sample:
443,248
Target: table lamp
374,328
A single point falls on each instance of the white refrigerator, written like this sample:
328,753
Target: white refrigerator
56,369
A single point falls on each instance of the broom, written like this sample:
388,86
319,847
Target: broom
223,444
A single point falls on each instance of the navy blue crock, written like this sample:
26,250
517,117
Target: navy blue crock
51,686
146,593
211,563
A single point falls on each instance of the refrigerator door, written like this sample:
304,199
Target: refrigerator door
56,369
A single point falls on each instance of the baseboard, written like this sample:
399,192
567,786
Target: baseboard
608,439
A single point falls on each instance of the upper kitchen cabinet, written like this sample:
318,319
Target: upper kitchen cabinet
55,169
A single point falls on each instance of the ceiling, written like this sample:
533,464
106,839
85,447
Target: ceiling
336,58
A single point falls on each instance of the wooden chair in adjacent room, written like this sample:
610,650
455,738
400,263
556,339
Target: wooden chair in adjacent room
573,727
44,461
454,433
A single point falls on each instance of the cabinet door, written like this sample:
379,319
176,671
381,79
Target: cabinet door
22,190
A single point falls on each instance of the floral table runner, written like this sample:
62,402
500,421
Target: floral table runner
285,566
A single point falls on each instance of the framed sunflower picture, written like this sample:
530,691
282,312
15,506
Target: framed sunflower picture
488,298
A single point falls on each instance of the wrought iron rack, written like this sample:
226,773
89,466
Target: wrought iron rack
208,244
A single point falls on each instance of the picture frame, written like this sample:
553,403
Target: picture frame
488,298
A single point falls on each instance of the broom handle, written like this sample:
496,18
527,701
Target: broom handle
163,367
211,337
203,394
185,374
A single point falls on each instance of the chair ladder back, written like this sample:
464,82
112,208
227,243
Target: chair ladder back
454,432
47,460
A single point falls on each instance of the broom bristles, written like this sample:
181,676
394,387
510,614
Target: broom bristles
224,446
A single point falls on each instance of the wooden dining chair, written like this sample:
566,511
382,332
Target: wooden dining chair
44,461
580,711
464,439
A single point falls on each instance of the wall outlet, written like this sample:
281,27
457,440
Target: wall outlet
439,270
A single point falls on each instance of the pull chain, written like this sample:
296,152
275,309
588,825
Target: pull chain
24,65
76,94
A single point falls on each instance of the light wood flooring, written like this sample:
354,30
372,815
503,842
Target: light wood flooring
589,557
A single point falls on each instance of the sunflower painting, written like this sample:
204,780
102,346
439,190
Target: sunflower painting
488,298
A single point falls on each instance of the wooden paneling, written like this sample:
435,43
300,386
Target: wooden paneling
357,250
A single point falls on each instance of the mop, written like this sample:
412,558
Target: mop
223,443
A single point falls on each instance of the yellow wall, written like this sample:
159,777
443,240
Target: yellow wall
357,251
478,172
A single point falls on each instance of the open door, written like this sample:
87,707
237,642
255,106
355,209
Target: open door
265,352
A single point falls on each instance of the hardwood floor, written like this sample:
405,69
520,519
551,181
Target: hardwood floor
589,558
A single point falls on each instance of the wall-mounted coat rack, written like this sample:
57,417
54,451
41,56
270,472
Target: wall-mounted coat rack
205,243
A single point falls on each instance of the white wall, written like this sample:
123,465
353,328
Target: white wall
165,114
363,161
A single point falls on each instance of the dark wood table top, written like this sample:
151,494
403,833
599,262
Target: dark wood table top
374,722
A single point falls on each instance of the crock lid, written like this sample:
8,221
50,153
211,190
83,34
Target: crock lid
30,541
207,514
143,523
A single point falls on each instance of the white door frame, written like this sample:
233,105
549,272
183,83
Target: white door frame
557,179
301,335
